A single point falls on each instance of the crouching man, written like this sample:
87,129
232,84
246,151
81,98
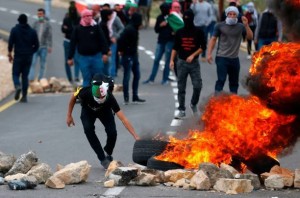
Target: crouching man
97,101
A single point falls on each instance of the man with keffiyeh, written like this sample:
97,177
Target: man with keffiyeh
88,38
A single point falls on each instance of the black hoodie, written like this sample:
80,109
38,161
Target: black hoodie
128,41
23,39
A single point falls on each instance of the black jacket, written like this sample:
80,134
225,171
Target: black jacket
69,25
23,39
165,33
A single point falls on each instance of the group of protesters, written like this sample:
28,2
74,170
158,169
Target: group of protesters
99,39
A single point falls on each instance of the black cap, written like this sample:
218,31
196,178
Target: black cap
22,19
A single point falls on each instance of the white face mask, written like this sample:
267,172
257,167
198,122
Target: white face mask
231,21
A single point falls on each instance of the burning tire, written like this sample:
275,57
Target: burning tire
145,149
162,165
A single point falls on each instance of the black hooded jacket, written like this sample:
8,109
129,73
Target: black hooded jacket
128,40
23,39
165,33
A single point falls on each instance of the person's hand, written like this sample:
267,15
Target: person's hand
136,137
113,39
70,121
10,58
70,62
245,20
104,58
209,59
162,24
171,65
190,59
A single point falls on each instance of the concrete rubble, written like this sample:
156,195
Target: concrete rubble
26,172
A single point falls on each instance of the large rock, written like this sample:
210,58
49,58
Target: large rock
200,181
36,87
6,162
177,174
286,174
54,182
113,166
297,178
145,179
24,163
232,170
72,173
41,172
123,175
233,186
159,175
274,182
254,179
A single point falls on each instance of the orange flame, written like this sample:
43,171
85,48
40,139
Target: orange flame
275,74
234,126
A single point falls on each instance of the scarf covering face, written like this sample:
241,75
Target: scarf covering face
87,18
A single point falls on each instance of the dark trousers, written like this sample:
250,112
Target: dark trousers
88,118
131,63
21,66
183,70
230,66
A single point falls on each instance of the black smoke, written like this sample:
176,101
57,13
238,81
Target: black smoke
289,14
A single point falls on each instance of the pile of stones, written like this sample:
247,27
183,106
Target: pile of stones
208,177
26,172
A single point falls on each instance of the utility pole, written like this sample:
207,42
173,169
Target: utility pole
221,7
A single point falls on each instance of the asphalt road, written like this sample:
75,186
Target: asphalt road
40,125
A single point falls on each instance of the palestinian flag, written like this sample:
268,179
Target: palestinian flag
175,21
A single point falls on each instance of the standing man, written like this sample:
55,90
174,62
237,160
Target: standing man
71,20
98,102
164,45
89,40
128,48
230,34
144,7
202,12
44,31
24,41
189,43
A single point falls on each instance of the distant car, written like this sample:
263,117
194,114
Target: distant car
83,4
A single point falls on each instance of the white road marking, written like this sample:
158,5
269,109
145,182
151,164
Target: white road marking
174,84
3,9
176,104
175,97
14,12
149,52
176,122
175,90
141,48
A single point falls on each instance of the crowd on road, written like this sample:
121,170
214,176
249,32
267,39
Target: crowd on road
100,39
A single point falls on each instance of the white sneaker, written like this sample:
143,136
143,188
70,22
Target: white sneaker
180,115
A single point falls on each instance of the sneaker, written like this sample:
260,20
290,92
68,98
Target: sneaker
23,99
193,108
148,82
138,100
180,115
109,157
165,82
126,101
17,94
105,163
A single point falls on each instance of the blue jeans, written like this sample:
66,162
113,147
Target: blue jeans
48,8
230,66
42,54
161,49
21,66
68,67
131,63
265,41
113,60
88,118
89,66
183,70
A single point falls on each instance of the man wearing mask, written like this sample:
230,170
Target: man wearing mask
98,102
24,41
189,43
230,34
44,32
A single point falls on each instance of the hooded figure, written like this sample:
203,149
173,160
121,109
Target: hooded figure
188,19
22,19
165,9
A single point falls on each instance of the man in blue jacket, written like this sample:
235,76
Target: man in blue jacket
24,41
